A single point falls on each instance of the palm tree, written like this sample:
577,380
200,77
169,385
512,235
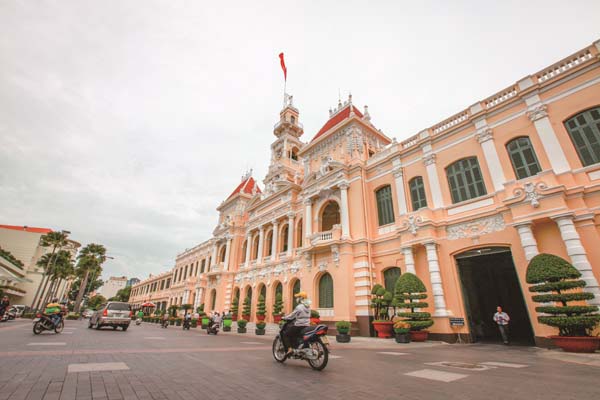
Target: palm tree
62,269
56,240
90,261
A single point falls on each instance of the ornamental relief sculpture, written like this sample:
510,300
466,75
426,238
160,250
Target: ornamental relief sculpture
475,228
531,192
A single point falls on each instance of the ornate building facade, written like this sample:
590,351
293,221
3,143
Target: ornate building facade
464,204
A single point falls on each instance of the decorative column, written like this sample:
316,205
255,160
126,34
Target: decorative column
186,296
434,182
527,240
213,259
345,216
227,251
261,234
409,261
308,221
275,236
248,249
486,140
578,255
439,301
290,238
538,114
400,194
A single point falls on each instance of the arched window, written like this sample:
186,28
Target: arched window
269,243
295,289
417,193
213,299
284,238
326,291
244,246
584,130
294,153
263,292
390,276
222,254
523,158
299,238
279,289
202,264
331,216
255,249
465,180
385,208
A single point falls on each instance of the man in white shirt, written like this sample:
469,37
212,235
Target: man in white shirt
501,318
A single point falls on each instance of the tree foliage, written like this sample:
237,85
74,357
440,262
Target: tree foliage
247,309
278,305
235,306
409,291
550,273
261,307
96,301
122,295
381,301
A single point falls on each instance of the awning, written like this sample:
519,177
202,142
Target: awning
148,304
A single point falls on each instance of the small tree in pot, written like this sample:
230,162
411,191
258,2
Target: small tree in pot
235,308
260,327
559,282
343,329
409,292
381,301
227,323
261,309
277,308
247,309
315,317
241,325
185,308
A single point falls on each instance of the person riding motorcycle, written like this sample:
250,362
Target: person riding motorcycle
215,320
54,311
301,318
165,320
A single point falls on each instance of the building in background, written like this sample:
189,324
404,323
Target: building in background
132,281
464,204
20,276
112,285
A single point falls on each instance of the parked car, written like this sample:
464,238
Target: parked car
87,313
114,313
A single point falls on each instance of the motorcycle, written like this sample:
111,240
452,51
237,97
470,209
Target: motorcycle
186,324
164,323
212,328
44,323
312,346
138,321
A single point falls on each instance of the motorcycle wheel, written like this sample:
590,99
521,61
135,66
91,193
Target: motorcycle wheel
321,361
38,328
278,350
59,328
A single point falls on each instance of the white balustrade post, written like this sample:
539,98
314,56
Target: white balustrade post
261,234
227,251
578,255
409,260
290,238
435,276
274,240
248,249
308,221
345,212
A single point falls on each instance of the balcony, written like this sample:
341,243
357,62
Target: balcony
326,237
267,259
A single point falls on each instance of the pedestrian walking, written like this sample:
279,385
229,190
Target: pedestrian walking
501,318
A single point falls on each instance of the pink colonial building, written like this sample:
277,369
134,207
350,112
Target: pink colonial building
464,204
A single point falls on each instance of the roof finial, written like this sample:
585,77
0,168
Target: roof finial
366,115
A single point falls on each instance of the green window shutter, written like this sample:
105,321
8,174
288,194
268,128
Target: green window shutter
523,157
417,193
584,130
465,180
326,291
385,207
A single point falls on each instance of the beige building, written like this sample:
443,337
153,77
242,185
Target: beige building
112,286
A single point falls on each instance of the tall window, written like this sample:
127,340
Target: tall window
330,217
213,299
417,193
284,238
523,158
390,276
244,246
255,249
465,180
299,237
202,265
385,209
584,129
269,243
326,291
222,254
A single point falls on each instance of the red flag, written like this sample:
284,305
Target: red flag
283,66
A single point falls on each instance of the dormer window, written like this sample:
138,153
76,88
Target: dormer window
294,154
293,119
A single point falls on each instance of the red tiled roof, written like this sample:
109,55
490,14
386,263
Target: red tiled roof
247,186
26,228
336,119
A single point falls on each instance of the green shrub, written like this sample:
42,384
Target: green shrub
28,315
261,307
408,289
242,323
314,314
72,316
278,305
247,306
261,325
343,327
235,306
200,310
550,273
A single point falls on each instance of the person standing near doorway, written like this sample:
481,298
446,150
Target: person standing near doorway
501,318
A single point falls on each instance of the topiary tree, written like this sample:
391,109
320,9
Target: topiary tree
186,307
235,306
173,310
278,305
247,307
409,290
200,310
381,300
553,276
261,307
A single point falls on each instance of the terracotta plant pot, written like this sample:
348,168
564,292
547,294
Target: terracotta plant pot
277,318
383,328
577,344
419,336
246,317
260,317
234,317
315,321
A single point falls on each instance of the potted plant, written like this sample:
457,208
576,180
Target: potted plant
235,308
241,325
261,308
173,310
194,323
409,292
204,320
186,307
171,320
260,327
401,330
277,308
558,281
227,321
178,321
343,331
315,317
380,301
247,309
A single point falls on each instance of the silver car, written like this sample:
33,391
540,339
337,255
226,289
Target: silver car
114,313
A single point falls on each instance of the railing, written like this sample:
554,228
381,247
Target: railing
283,254
253,263
321,237
279,123
325,312
267,259
500,97
450,122
564,65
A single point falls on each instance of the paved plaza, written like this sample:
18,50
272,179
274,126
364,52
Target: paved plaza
147,362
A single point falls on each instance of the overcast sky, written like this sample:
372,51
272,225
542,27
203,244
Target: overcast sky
128,122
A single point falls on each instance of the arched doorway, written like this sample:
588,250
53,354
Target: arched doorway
330,216
489,279
390,276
